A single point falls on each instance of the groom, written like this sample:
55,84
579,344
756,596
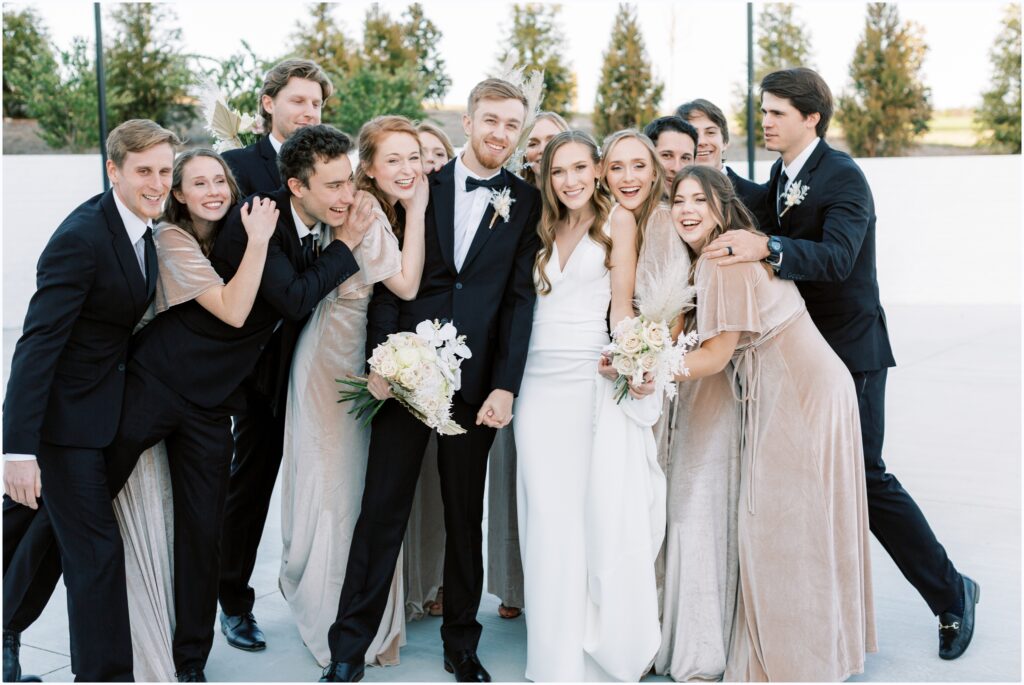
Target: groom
478,275
826,243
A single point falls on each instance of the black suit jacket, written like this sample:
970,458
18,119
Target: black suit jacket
67,375
204,359
828,248
753,196
255,167
490,300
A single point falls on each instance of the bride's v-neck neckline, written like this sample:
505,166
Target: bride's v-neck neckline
558,255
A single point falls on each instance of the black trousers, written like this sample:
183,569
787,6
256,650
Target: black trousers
397,442
199,448
259,443
894,516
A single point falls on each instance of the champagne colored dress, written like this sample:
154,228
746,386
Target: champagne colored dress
325,453
804,608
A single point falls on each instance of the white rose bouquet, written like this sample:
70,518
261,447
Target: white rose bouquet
423,370
641,346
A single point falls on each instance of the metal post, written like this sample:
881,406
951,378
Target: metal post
750,91
101,86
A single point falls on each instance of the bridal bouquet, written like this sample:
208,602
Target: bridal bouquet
230,128
423,370
642,346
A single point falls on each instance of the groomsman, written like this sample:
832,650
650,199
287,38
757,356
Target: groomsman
478,274
713,140
826,243
94,280
292,97
675,141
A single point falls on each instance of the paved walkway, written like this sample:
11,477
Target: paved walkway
954,440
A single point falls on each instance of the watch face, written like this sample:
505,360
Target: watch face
775,245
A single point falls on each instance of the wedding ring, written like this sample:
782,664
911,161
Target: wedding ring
728,249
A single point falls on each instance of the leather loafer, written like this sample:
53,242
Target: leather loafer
466,666
341,672
955,632
242,632
191,675
12,660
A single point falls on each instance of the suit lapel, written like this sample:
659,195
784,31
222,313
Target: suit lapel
270,161
291,245
805,177
442,195
125,253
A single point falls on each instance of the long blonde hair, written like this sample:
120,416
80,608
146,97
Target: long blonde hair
553,211
370,136
654,194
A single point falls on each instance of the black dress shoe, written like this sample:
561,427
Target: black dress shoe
242,632
192,674
340,672
12,660
955,632
466,666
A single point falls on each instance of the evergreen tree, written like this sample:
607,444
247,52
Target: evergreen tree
27,55
63,99
323,42
536,41
888,104
783,42
628,95
999,116
384,45
148,77
371,92
422,36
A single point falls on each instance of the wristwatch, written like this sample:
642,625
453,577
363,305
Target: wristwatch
774,258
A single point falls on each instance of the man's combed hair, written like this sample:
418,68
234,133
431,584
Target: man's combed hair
710,110
494,89
307,146
674,123
137,135
282,72
806,90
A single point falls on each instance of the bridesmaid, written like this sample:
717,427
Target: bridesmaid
202,191
504,558
423,546
803,524
325,448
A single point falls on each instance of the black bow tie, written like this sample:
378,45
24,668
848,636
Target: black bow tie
493,183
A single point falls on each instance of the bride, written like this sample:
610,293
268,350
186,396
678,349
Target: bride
587,262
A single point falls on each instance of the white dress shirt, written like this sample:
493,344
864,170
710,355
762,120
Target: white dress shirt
300,227
794,168
275,143
136,230
469,210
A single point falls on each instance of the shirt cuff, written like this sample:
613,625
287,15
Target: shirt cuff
19,457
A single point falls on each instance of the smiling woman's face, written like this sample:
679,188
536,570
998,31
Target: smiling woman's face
630,172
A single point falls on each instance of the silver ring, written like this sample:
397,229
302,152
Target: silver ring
728,249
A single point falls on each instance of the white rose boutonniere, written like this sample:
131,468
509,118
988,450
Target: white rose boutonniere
502,201
795,194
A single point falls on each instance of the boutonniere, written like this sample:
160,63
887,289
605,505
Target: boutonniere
502,201
794,195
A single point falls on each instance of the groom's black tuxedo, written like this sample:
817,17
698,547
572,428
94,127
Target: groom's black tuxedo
828,248
490,300
63,401
255,167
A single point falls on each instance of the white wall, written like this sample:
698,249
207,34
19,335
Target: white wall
948,227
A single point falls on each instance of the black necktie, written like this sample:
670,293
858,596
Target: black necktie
150,258
492,183
780,198
307,250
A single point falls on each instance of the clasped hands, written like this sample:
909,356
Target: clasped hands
605,368
495,412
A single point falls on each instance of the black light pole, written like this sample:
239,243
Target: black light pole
750,91
101,86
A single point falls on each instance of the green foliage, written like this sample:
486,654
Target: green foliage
628,94
370,92
64,100
888,104
999,115
322,41
384,46
240,78
536,41
422,37
783,42
27,57
148,77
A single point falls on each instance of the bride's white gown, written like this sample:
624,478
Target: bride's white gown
589,501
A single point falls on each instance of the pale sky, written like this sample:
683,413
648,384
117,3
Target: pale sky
697,48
